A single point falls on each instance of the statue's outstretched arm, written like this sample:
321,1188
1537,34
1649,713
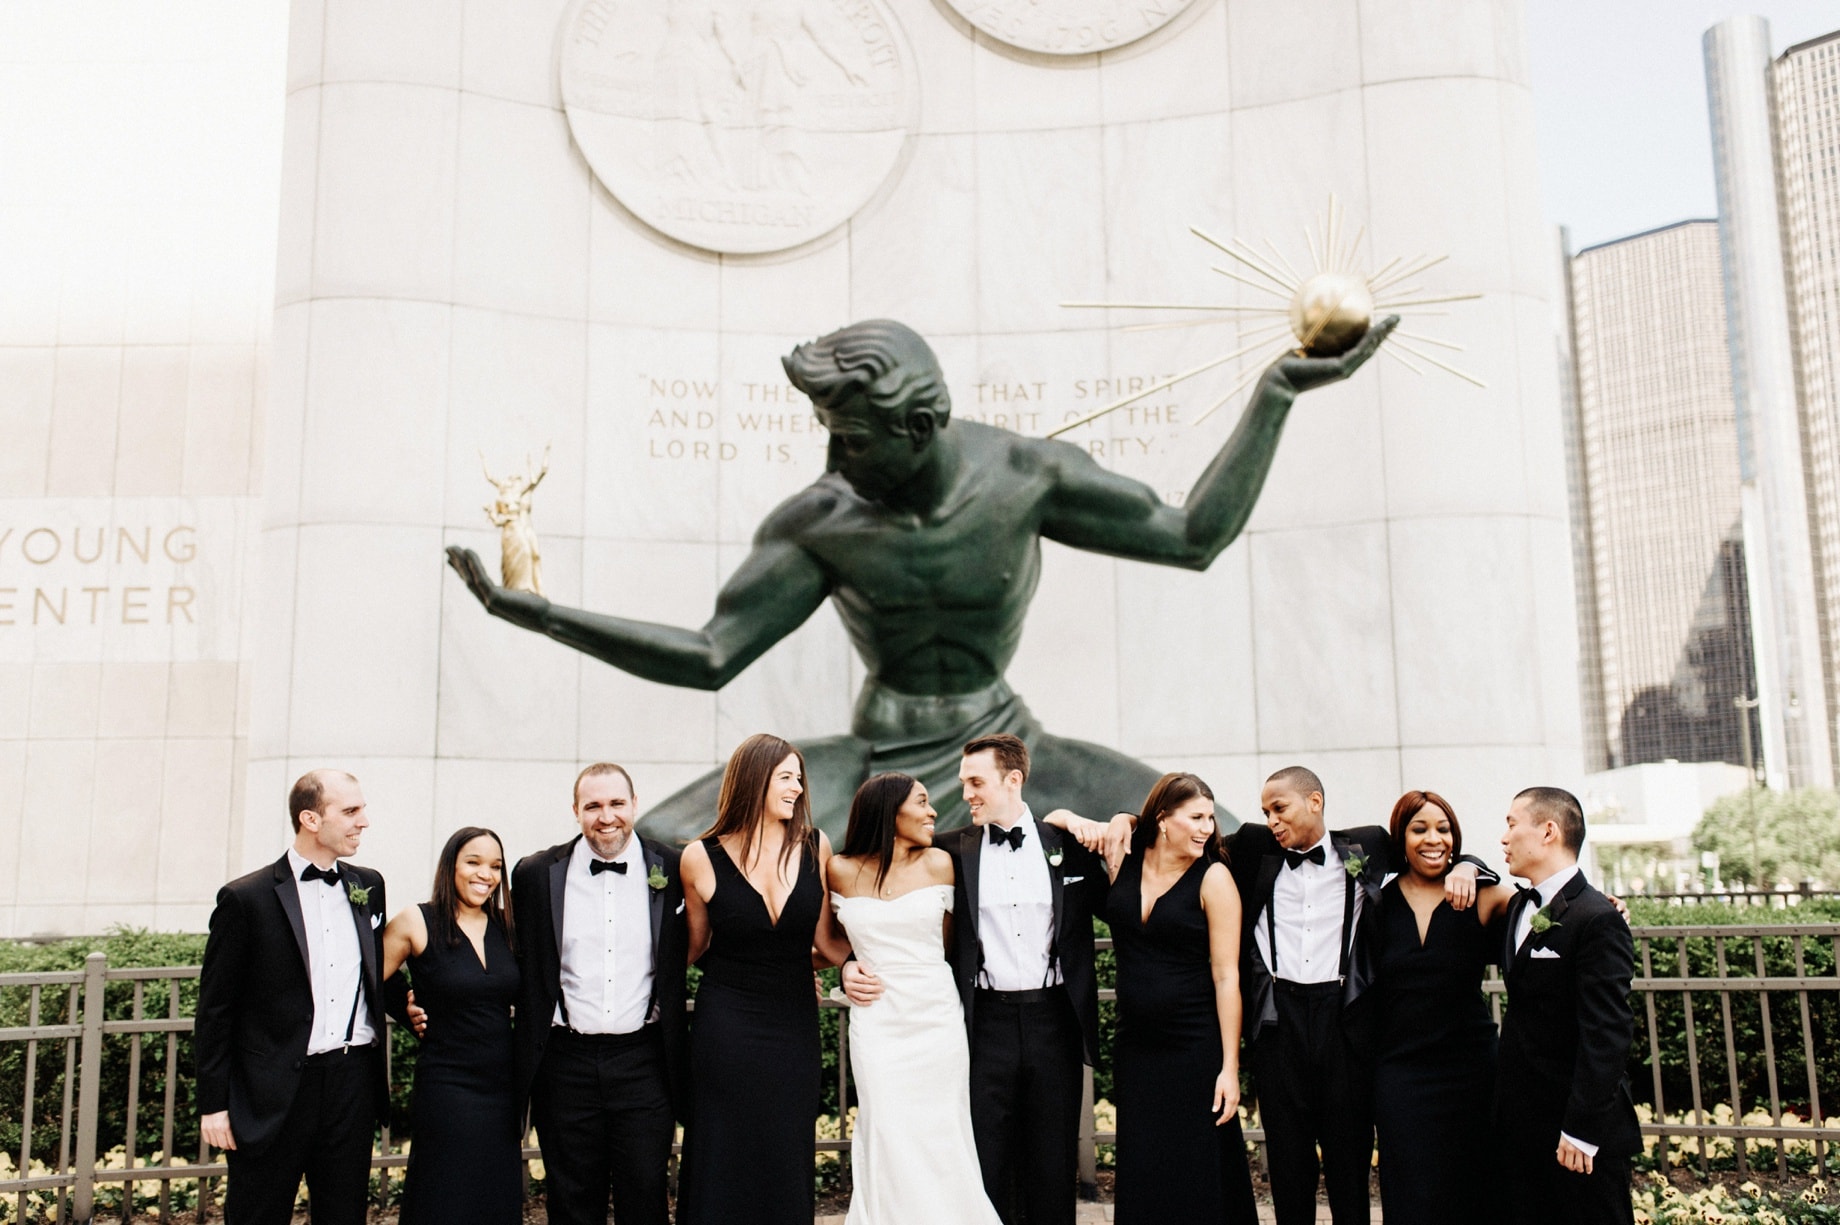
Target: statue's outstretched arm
776,588
1100,510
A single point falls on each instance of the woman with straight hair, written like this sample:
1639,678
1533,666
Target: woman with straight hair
466,1146
912,1156
1434,1074
1175,918
759,921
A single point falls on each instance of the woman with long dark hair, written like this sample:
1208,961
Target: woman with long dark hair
465,1150
1175,919
759,919
1434,1073
912,1156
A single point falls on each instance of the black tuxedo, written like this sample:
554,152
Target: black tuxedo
1027,1048
603,1105
1564,1048
254,1022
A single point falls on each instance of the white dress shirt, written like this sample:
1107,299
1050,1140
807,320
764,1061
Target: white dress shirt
335,964
1016,911
606,944
1544,893
1306,904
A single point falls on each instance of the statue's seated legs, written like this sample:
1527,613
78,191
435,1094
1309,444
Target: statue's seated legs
1090,779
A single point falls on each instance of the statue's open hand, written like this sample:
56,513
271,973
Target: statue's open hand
1303,373
518,607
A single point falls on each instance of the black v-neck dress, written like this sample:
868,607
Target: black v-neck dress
1174,1163
1434,1079
465,1153
755,1066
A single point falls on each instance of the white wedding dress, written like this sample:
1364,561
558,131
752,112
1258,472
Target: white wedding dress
912,1154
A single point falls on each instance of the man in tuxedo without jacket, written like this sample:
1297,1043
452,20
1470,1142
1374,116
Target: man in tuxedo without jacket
601,1037
290,1019
1022,955
1311,900
1563,1110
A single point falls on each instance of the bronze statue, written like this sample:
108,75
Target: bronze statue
927,537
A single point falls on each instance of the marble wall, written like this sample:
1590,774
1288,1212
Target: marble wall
453,279
137,207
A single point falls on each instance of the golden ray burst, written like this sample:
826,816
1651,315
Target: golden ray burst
1322,314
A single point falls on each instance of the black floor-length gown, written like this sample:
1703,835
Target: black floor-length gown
1434,1077
1174,1163
755,1068
465,1160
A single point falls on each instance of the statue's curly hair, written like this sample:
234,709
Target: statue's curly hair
886,362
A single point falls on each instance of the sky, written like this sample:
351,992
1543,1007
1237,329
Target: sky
1619,96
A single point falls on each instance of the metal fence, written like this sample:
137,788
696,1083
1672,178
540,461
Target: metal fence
1730,1023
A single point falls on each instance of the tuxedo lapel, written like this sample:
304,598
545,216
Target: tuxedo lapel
289,896
971,861
367,939
1269,867
654,862
1051,850
558,885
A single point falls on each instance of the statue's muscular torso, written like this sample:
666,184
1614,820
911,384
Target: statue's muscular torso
934,605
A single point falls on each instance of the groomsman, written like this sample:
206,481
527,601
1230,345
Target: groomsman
1311,901
290,1018
1022,954
1563,1110
602,1056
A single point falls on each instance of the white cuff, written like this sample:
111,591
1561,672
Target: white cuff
1583,1146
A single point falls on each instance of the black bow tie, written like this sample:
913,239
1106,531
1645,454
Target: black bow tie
1524,893
314,872
597,866
1294,859
1011,838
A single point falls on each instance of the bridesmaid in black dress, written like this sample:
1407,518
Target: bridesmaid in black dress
756,902
1434,1078
1175,914
465,1151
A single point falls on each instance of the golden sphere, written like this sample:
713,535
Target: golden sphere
1330,313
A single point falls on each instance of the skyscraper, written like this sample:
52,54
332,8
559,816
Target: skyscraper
1657,446
1792,684
1806,85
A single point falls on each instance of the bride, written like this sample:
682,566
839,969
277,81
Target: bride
914,1160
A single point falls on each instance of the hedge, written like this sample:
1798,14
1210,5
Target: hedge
126,948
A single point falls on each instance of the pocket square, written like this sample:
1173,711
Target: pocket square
1072,880
1546,954
376,921
680,908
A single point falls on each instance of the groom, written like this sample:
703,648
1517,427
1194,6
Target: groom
1022,955
1563,1110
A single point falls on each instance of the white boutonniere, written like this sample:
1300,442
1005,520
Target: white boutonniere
359,895
1055,856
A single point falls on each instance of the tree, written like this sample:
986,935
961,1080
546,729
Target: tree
1768,838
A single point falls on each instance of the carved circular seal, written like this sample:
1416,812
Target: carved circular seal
1069,27
738,126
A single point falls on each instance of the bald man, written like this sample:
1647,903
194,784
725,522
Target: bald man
290,1029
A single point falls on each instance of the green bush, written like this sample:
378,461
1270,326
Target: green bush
1752,1064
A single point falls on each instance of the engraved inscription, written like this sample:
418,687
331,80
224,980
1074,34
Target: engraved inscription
1069,27
738,126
